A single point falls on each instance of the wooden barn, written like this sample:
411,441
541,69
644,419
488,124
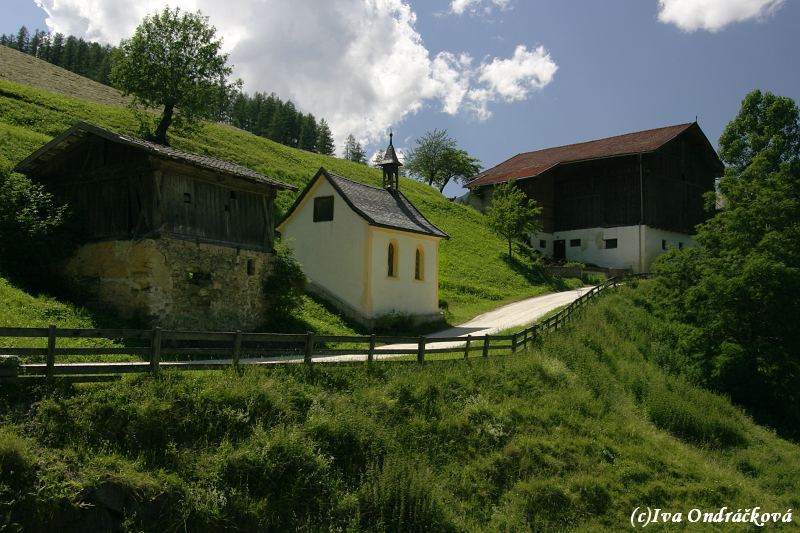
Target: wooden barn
175,238
616,202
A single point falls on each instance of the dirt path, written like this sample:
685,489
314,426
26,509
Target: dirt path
513,315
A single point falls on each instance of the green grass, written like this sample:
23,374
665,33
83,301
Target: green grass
475,274
573,434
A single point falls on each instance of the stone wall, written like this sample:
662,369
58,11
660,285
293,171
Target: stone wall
173,283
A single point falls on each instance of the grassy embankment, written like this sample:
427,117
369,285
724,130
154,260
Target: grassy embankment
474,274
573,434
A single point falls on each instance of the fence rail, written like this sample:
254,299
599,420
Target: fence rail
239,348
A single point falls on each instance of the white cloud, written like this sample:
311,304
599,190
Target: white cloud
459,7
360,64
713,15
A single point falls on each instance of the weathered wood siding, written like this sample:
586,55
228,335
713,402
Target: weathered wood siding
117,192
195,208
676,178
606,192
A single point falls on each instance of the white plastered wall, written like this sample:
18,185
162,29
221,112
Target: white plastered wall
403,293
626,255
332,253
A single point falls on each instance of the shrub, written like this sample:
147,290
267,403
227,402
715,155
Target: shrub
33,229
286,283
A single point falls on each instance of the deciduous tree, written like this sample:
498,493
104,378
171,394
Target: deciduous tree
512,215
173,61
738,292
436,160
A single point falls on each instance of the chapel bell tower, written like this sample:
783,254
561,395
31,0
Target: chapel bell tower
391,168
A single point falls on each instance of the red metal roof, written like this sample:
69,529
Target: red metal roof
531,164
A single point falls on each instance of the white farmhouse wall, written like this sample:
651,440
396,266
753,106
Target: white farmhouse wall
626,255
404,294
333,253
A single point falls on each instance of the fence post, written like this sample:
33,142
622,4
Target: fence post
514,343
371,353
155,351
466,347
51,352
421,350
309,348
237,349
486,345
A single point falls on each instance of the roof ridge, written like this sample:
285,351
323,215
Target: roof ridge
686,125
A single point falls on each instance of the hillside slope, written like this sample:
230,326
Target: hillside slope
474,273
573,435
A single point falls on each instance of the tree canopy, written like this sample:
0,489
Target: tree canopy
436,160
173,61
353,150
738,291
512,215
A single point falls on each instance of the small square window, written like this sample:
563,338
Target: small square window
574,242
187,198
323,208
542,243
610,243
680,246
663,244
233,195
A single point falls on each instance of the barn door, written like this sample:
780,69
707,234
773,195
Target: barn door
559,249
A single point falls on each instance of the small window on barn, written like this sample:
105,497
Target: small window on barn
542,243
680,246
663,244
419,264
233,195
187,197
574,242
323,208
391,260
610,243
251,267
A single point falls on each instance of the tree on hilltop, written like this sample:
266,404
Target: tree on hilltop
436,160
353,150
173,61
325,144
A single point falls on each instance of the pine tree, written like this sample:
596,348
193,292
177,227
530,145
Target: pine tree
325,144
353,150
308,133
22,40
57,50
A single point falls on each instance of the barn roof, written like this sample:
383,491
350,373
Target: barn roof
379,207
81,130
531,164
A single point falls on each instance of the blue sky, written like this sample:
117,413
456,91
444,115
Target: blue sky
578,69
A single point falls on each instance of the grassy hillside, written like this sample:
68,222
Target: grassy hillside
572,435
474,274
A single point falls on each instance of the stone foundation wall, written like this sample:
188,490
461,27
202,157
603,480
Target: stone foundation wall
173,283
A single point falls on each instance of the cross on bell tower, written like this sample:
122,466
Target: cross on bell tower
391,168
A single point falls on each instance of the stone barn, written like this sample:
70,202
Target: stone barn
169,237
616,202
365,249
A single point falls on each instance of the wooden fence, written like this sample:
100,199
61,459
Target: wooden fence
165,349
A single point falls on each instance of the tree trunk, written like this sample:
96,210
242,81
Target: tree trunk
160,135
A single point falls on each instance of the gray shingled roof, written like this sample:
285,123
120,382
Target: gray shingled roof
379,207
81,129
